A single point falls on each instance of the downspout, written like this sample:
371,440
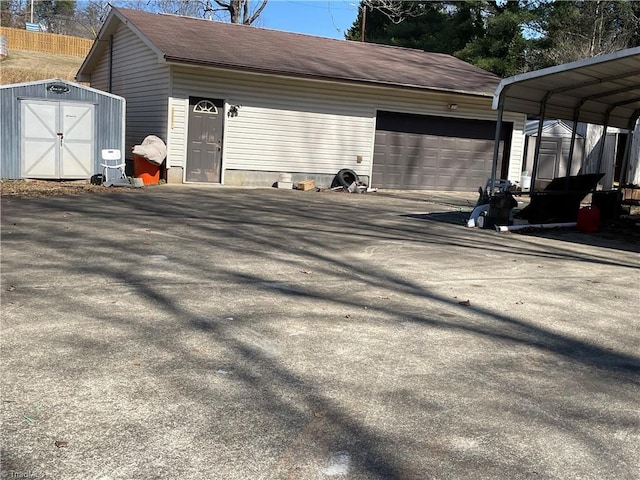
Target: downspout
110,64
627,147
534,170
496,146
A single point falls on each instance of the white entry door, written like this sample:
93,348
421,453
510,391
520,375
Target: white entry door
57,139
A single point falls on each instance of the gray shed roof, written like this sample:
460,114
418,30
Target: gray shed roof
240,47
554,128
607,83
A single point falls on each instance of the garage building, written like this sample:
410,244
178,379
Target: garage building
239,105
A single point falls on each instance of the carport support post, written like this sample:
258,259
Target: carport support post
536,154
602,142
627,147
574,132
496,146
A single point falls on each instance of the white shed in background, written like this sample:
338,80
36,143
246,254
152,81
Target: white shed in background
554,150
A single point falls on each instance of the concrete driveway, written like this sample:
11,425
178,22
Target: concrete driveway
216,333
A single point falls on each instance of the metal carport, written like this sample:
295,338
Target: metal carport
603,90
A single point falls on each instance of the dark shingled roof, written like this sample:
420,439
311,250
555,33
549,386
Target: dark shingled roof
241,47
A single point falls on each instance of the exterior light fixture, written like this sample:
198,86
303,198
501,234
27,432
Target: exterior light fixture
453,106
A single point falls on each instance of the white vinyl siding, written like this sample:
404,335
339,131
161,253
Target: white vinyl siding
100,76
516,158
176,131
292,126
298,125
142,80
275,136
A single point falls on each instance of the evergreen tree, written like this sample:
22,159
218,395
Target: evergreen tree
485,33
505,37
501,47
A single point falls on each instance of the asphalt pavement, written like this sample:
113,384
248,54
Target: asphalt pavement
185,332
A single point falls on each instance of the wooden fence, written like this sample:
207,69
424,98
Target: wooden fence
18,39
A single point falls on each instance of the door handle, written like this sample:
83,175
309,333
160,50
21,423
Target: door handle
61,136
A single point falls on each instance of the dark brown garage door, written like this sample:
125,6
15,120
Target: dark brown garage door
434,153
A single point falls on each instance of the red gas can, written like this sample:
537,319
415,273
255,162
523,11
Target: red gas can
589,219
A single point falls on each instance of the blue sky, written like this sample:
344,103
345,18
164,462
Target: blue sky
325,18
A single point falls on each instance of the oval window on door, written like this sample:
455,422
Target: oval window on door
205,106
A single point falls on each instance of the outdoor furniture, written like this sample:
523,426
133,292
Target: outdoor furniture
113,169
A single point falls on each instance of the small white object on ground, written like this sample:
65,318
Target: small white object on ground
338,464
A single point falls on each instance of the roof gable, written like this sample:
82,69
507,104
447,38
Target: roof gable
552,128
240,47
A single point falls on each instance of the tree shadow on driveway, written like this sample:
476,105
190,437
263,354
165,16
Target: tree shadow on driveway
265,336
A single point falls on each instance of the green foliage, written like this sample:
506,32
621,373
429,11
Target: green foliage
501,47
505,37
425,25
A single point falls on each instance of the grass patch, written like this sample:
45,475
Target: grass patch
25,66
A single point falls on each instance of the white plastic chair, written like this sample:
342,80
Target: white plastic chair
113,172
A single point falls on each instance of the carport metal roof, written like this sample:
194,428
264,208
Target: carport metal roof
606,84
603,90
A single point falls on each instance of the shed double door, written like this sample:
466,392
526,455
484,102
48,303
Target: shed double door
57,139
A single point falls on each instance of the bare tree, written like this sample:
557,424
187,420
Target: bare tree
582,29
91,17
394,10
240,10
14,13
187,8
245,12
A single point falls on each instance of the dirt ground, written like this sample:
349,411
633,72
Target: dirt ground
47,188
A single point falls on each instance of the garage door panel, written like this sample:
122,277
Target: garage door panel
431,161
395,160
482,148
425,152
395,140
448,143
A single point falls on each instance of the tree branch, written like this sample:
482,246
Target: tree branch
256,14
394,10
